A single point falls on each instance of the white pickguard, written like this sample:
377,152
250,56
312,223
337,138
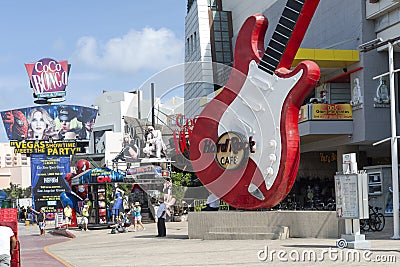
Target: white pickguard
256,112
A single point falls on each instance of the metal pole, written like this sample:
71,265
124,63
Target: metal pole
152,105
138,103
395,164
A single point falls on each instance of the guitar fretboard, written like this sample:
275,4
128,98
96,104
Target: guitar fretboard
281,36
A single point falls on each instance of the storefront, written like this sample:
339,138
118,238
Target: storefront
96,181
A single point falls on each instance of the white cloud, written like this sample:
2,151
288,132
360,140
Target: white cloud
148,49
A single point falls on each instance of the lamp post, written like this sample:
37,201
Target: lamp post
395,172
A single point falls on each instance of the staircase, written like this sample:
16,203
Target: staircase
248,233
147,216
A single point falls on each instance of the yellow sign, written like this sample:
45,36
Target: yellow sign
63,148
332,112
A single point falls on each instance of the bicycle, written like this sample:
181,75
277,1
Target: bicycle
375,222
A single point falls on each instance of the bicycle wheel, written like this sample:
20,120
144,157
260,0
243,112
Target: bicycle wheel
378,222
364,224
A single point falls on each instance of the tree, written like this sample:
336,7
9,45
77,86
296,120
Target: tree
180,182
14,191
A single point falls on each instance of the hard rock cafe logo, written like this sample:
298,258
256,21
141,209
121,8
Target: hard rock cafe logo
231,150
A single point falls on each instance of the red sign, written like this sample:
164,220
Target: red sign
48,77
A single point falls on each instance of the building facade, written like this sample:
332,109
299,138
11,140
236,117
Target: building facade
14,168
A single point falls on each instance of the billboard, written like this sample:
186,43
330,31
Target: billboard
48,78
98,176
55,122
48,181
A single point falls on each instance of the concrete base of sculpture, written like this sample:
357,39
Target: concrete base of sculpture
234,225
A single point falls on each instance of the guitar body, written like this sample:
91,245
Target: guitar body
245,144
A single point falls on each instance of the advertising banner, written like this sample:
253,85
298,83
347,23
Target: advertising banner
331,112
48,181
98,176
58,148
55,122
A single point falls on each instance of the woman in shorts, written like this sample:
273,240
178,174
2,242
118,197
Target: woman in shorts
137,216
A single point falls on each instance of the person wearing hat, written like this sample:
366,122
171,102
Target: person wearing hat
41,220
87,118
66,121
154,143
136,216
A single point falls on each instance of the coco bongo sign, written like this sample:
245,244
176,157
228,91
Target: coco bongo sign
48,77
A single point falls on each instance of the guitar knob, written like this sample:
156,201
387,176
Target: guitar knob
272,144
272,158
269,172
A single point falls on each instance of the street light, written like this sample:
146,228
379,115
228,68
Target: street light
395,172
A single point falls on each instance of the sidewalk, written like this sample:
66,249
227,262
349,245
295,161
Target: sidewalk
101,248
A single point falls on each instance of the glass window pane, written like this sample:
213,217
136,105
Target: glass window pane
224,16
226,46
224,26
217,26
218,46
227,57
225,36
219,57
217,36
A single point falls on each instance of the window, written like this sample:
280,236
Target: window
375,183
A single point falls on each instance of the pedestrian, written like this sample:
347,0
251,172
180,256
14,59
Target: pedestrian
118,198
41,219
68,216
167,189
137,216
8,242
161,216
85,214
212,203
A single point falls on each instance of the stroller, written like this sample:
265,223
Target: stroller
122,225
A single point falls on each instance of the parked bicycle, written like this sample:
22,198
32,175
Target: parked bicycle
375,222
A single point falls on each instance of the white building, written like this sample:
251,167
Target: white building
14,168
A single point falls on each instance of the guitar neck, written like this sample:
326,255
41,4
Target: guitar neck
288,35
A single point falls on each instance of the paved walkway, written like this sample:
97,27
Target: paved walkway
101,248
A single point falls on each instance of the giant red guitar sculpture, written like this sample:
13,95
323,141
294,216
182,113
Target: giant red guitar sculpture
245,144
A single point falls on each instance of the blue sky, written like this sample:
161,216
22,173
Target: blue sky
111,45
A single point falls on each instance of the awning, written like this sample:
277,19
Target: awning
98,176
327,58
